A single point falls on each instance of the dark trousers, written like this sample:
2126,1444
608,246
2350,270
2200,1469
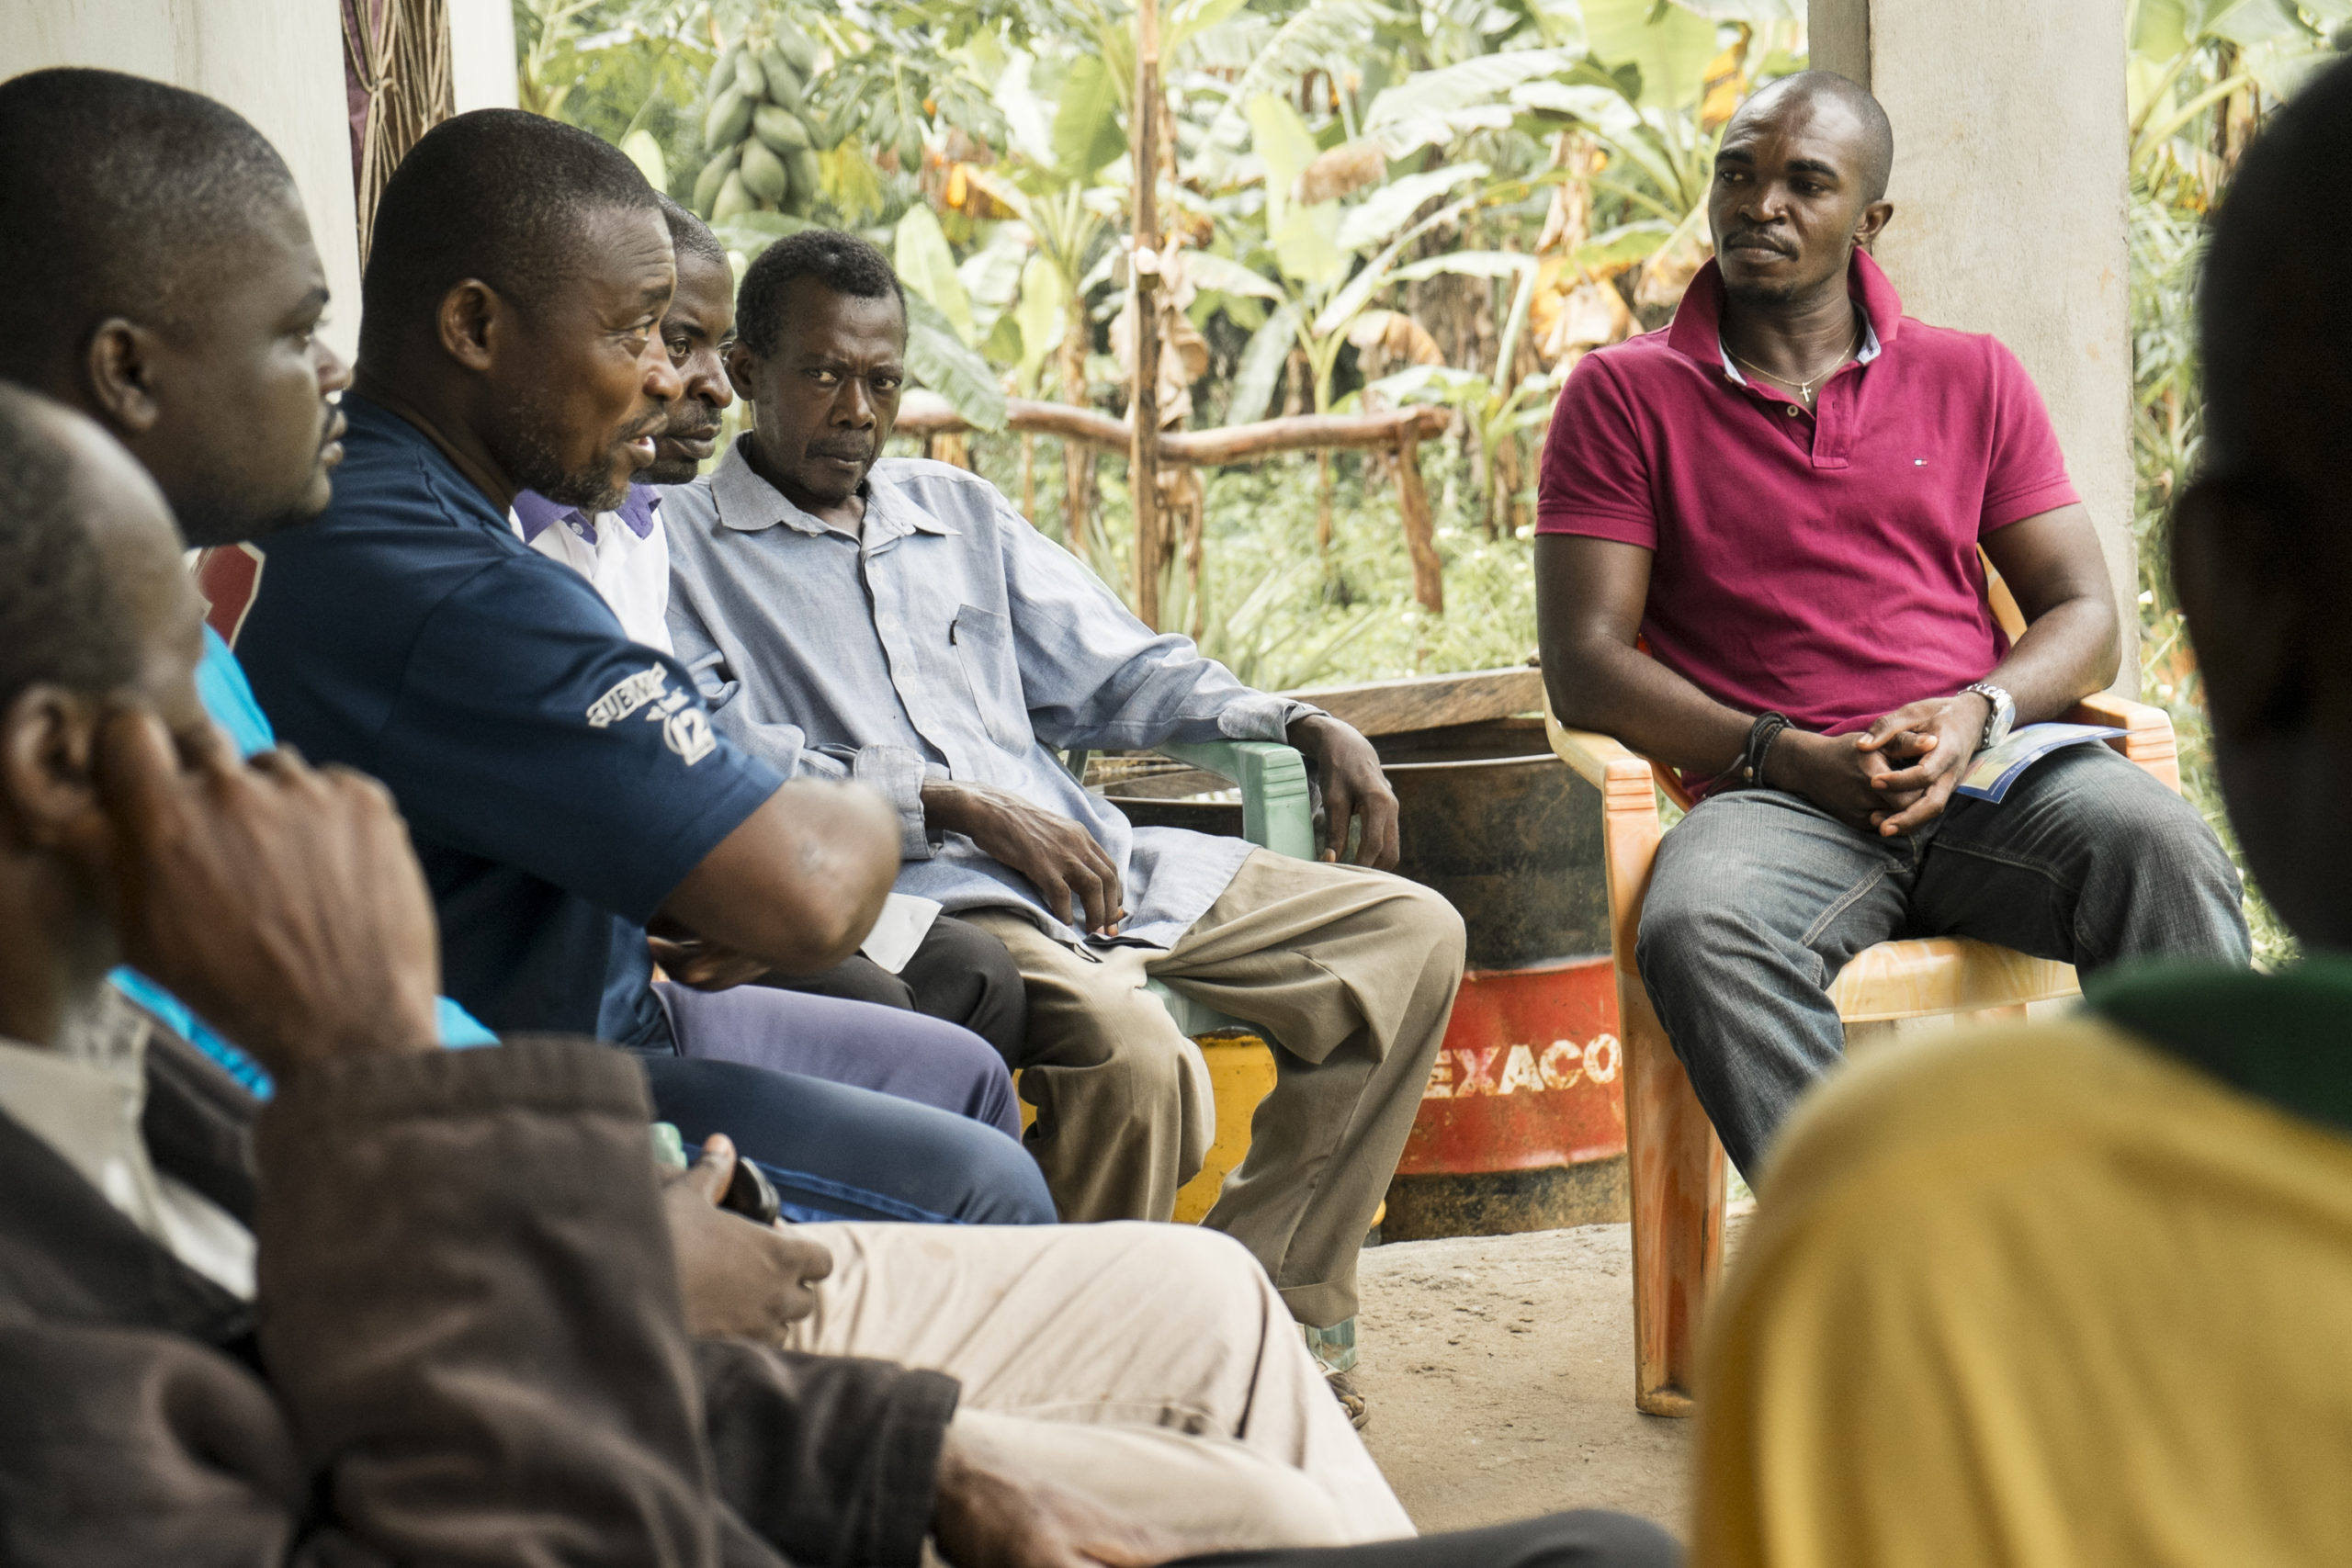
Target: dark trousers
960,974
835,1152
1586,1538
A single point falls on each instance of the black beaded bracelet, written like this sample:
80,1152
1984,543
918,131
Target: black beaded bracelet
1747,772
1761,736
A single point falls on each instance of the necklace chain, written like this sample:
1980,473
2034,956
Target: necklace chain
1804,389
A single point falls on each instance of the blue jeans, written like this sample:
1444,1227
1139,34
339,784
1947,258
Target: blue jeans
1760,899
855,1112
835,1152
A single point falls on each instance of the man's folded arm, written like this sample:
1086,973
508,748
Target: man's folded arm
1093,676
1589,594
833,1459
2055,569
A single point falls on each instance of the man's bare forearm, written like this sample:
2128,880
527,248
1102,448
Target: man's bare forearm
799,881
2066,654
1596,683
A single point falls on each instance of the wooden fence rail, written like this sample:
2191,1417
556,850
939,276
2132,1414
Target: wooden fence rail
1397,431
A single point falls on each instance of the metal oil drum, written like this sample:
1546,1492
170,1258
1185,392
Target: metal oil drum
1522,1124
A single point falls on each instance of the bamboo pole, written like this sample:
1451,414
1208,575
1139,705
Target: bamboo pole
922,413
1420,536
1143,467
1400,431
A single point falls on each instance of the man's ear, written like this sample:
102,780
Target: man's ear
48,793
471,315
741,362
2249,620
118,377
1875,217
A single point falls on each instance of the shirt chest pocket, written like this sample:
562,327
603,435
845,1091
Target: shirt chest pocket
983,642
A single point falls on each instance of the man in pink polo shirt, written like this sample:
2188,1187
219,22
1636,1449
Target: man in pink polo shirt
1782,497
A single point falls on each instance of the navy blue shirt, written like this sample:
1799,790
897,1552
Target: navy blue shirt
557,779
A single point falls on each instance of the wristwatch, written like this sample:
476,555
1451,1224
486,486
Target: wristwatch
2002,719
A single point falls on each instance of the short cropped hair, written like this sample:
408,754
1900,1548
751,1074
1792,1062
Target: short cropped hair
60,621
1878,131
689,235
109,184
842,263
498,195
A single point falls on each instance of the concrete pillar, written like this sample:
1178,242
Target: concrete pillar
2010,188
277,63
481,54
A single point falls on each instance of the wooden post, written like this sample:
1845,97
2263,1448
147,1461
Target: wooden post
1078,457
1421,541
1143,467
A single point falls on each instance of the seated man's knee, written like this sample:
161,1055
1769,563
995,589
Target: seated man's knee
1431,925
1684,931
1001,1184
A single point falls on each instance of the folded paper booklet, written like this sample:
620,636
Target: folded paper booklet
905,921
1997,767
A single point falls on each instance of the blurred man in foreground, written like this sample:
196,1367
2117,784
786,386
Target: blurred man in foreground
2069,1296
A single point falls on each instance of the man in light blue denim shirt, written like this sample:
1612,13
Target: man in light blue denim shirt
899,623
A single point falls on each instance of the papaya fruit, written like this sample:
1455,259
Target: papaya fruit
797,48
713,174
763,173
785,88
807,181
733,199
780,128
729,117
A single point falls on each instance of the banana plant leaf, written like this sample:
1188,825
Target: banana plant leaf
937,358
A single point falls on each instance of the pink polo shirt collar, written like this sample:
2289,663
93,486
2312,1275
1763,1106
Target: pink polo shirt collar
1697,331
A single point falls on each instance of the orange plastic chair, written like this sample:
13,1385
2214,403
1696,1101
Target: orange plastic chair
1675,1163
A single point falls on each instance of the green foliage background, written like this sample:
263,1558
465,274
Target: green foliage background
1490,85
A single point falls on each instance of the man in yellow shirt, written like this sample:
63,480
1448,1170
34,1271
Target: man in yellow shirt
2081,1294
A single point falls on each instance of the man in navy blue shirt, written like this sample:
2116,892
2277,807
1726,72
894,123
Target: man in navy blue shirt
564,785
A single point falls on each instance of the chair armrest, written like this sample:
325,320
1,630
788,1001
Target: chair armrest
1623,777
1630,826
1277,812
2147,739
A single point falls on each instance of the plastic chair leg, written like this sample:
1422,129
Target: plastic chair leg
1676,1165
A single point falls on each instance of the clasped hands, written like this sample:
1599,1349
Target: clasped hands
1891,779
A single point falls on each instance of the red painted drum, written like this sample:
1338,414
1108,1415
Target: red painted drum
1522,1126
1528,1077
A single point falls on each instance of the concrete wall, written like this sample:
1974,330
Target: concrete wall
481,53
277,63
2010,192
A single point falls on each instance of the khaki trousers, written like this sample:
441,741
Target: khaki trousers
1352,973
1150,1367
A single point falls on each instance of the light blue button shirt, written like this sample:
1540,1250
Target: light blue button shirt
950,639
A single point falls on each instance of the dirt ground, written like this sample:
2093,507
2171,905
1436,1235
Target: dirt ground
1500,1375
